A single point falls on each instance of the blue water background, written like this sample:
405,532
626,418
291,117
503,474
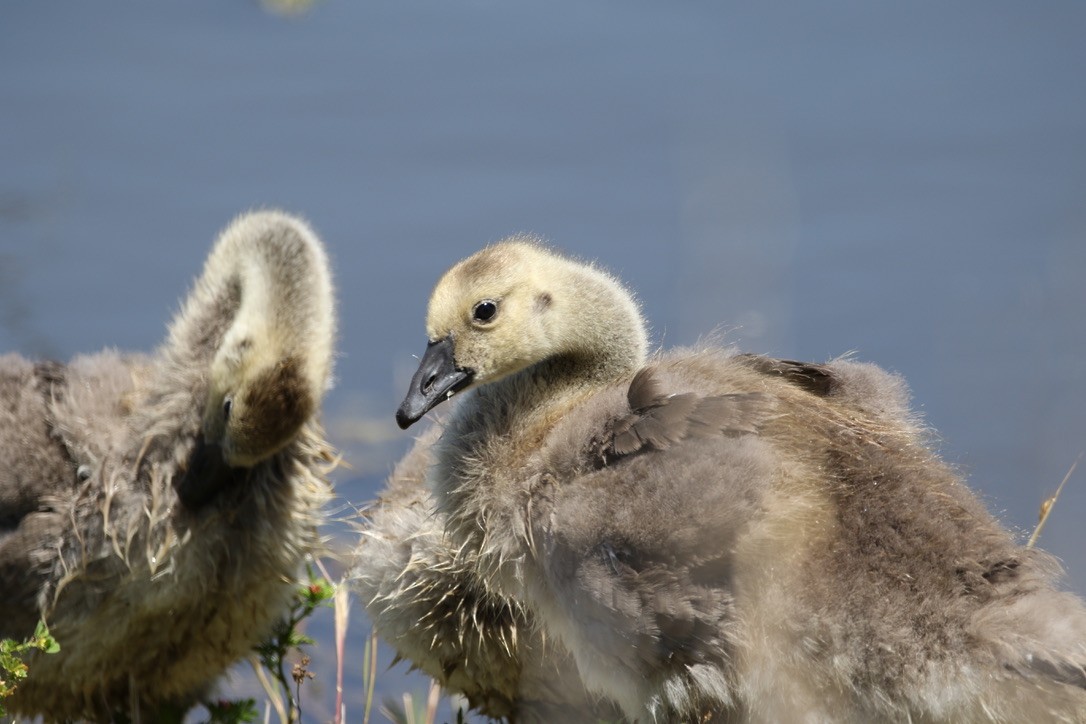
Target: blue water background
902,180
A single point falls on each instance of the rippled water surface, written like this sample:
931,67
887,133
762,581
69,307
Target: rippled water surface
907,182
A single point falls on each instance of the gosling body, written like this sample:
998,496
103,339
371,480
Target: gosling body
155,509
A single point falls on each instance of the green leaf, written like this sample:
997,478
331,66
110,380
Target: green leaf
232,712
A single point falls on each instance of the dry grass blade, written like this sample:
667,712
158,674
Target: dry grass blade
270,689
369,673
391,711
1046,507
432,701
399,712
342,602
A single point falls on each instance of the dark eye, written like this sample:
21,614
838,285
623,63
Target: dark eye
485,310
226,405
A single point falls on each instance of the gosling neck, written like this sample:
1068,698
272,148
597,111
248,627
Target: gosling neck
264,283
285,295
599,333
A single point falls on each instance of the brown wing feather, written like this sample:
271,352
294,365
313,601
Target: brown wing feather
815,378
658,420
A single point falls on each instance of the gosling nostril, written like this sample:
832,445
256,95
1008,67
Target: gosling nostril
428,384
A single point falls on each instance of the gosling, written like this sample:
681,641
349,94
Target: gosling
155,509
723,537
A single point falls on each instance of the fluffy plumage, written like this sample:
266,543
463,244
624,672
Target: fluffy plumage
721,537
427,602
155,509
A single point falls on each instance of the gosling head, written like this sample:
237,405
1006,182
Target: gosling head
256,404
270,369
511,306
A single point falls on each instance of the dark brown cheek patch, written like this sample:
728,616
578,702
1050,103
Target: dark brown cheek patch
276,405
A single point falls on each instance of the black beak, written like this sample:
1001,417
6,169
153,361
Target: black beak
436,378
207,473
